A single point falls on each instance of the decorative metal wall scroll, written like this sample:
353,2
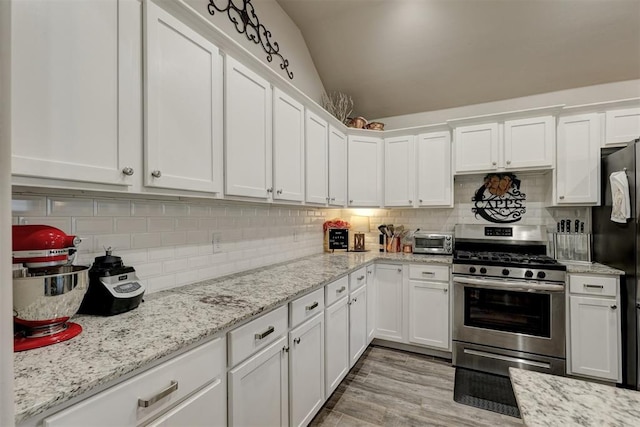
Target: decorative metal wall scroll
246,21
499,199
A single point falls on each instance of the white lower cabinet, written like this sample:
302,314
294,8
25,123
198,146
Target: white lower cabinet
189,389
306,370
258,388
429,314
594,327
357,324
336,344
371,304
389,307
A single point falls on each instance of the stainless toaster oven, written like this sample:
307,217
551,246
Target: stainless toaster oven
425,242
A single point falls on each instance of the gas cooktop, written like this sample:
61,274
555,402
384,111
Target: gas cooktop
507,259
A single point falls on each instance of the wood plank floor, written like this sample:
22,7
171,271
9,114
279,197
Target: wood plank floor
394,388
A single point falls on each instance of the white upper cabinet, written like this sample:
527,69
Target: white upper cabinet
529,143
578,160
75,101
476,147
183,146
510,145
622,126
248,158
337,167
399,171
435,180
316,165
364,170
288,148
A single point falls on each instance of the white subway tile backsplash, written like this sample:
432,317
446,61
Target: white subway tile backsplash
130,225
199,210
161,254
133,257
207,223
145,240
144,208
113,207
156,224
61,223
88,225
187,277
197,237
175,265
146,270
114,241
59,206
176,209
160,283
29,206
174,238
186,251
186,224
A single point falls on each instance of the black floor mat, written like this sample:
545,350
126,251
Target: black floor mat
485,391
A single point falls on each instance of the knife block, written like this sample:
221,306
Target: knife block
572,247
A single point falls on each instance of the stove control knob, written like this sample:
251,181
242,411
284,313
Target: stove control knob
541,275
505,272
528,274
483,270
472,269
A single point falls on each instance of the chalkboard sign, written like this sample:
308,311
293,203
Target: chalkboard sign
338,238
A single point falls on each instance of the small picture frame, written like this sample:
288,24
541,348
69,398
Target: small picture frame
338,239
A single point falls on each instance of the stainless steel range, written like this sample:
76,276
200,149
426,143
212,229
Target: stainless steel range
509,301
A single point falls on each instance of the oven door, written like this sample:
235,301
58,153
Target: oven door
509,314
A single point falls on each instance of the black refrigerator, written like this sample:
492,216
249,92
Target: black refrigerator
617,245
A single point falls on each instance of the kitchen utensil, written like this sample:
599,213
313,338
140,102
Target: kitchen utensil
558,226
562,225
113,288
47,291
577,229
391,229
581,227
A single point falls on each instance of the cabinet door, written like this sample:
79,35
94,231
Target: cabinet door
183,146
75,82
371,304
207,407
578,160
337,167
429,314
306,371
336,344
595,337
622,126
258,389
288,148
357,324
389,302
476,148
399,171
364,170
435,180
316,165
248,132
529,143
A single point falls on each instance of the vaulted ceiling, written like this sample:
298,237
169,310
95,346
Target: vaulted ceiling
398,57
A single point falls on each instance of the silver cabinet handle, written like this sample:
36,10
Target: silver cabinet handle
269,331
350,201
333,199
420,200
429,273
270,190
561,197
508,162
593,286
399,270
410,201
312,306
127,171
361,278
296,340
613,307
285,349
156,174
494,163
445,290
327,199
354,300
143,403
341,290
279,192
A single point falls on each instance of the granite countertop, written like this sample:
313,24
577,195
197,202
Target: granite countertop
591,268
168,321
549,400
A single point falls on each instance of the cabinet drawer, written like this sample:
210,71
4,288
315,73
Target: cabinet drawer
593,285
429,272
306,307
120,404
247,339
336,290
357,279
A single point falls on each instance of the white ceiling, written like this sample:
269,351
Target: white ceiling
404,56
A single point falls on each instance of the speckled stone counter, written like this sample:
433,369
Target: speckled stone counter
593,268
549,400
110,348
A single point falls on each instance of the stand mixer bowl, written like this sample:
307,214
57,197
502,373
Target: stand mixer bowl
45,299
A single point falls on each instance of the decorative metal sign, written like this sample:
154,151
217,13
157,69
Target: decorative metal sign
499,199
246,21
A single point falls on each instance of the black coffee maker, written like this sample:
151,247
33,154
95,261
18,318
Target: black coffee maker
113,287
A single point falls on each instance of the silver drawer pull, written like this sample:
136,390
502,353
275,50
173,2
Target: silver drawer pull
164,393
361,278
269,331
312,306
341,290
429,273
593,286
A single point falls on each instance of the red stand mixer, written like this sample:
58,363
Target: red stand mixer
47,289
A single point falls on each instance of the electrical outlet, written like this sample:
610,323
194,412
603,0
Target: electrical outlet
215,241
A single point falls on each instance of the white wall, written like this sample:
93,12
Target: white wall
570,97
6,299
170,243
284,32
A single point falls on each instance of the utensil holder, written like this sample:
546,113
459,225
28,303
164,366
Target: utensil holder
572,247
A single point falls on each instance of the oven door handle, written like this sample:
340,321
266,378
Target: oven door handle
511,285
